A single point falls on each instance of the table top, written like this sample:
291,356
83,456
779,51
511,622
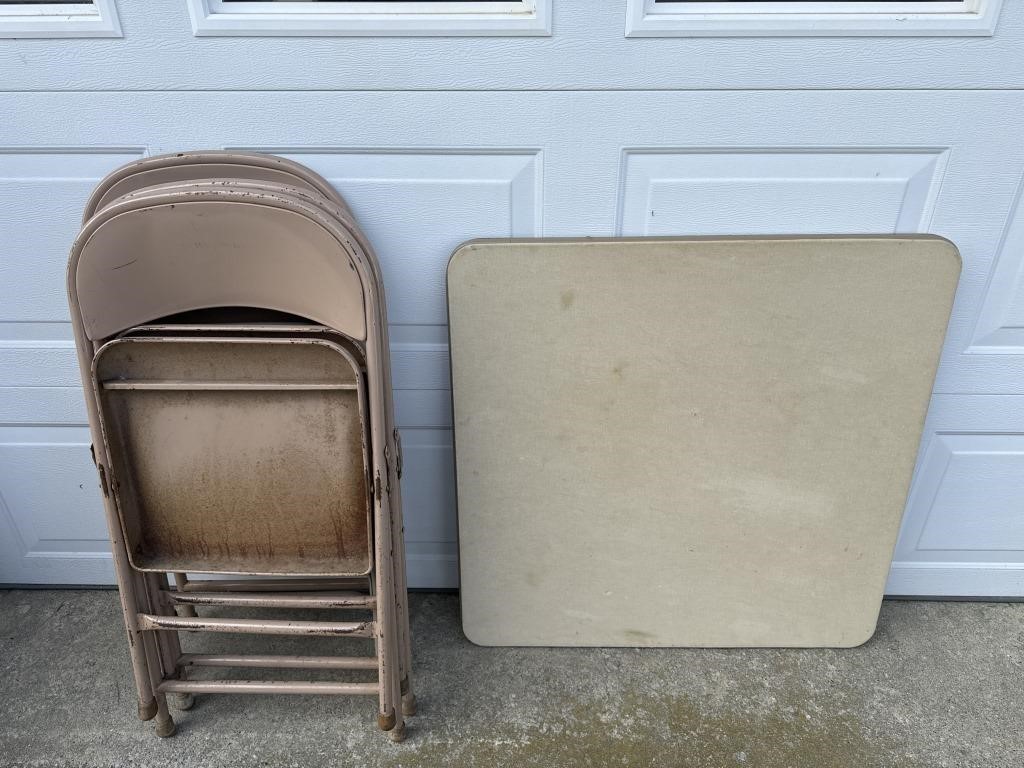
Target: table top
688,441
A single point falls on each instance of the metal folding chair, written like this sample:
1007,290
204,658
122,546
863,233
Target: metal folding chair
307,190
147,255
261,172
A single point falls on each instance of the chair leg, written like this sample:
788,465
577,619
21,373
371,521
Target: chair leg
396,734
128,593
402,610
164,722
404,639
165,726
401,587
389,716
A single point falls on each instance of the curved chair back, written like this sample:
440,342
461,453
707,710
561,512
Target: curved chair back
257,186
303,195
140,260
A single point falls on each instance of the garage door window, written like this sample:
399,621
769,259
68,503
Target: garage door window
811,18
58,18
370,17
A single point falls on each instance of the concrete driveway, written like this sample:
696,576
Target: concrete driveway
940,684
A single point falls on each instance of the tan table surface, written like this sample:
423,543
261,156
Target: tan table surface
688,441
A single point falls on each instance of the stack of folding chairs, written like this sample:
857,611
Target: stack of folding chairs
231,330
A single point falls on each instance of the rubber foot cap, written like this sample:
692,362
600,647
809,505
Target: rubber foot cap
397,734
386,721
181,701
409,704
165,728
147,710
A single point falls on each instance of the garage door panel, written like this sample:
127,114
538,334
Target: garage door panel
746,190
38,364
53,522
978,483
417,206
50,497
992,359
42,405
42,194
965,511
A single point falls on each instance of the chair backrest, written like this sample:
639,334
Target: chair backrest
341,216
258,186
140,260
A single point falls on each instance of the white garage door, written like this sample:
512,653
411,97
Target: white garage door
532,117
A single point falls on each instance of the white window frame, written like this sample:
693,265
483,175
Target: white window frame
213,18
973,18
95,19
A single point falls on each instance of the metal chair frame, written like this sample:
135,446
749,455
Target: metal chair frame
309,188
149,607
